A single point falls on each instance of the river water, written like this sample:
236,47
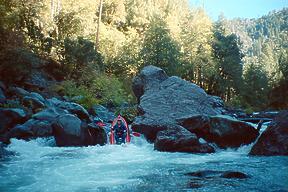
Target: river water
39,166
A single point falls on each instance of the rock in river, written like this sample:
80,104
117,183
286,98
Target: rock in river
222,130
164,99
178,139
274,140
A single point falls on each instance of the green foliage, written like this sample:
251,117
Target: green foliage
129,113
159,48
229,64
136,33
255,90
71,90
109,90
77,55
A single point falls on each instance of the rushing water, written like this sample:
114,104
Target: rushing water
40,166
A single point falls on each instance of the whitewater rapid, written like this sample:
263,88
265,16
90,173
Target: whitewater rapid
38,165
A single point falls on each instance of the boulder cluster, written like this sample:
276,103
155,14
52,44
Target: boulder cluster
179,116
35,116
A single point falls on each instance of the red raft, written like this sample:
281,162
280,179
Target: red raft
112,135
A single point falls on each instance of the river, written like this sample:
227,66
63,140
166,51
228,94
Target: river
39,166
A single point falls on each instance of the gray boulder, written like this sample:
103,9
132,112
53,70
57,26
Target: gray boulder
31,129
149,77
178,139
96,135
149,127
33,103
71,107
164,99
32,100
222,130
274,140
68,130
49,114
103,113
9,117
20,132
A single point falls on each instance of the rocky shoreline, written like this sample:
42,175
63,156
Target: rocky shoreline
175,115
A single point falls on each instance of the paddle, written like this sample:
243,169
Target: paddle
136,134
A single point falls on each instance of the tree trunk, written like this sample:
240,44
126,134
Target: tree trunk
52,10
59,6
98,24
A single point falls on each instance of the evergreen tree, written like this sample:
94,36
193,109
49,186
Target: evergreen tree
159,48
255,89
229,64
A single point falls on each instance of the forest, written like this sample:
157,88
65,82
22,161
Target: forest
244,61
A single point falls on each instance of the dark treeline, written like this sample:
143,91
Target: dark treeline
243,61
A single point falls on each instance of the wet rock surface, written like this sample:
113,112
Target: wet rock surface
274,140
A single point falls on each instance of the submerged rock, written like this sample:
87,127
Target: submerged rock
274,140
164,99
3,151
234,175
217,174
178,139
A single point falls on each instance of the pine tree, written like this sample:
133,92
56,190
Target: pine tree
159,48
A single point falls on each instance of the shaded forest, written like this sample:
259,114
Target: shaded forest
244,61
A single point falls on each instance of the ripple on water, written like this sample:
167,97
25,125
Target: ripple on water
40,166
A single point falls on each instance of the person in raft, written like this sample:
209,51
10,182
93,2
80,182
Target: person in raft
120,132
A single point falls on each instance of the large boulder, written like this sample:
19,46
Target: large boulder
178,139
49,114
274,140
71,107
32,128
9,117
103,113
222,130
20,132
150,76
164,99
18,92
149,127
68,130
33,103
96,135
